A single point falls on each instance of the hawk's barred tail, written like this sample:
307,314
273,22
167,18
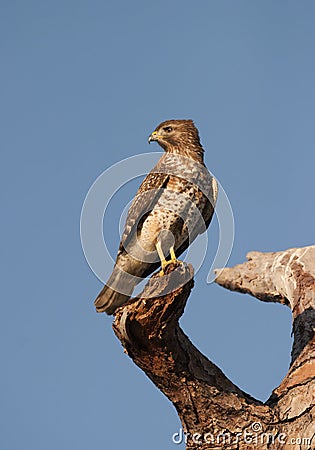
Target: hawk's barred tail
108,299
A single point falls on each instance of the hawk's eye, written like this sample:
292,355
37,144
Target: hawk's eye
168,129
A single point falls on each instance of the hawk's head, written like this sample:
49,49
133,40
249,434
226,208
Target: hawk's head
178,136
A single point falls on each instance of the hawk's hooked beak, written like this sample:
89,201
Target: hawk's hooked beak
153,137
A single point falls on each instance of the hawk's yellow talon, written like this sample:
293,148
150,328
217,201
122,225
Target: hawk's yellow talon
172,253
164,262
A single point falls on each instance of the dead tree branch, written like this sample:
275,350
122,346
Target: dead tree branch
214,412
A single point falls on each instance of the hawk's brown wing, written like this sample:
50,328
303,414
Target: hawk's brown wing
209,199
148,194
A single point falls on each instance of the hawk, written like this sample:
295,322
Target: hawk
175,203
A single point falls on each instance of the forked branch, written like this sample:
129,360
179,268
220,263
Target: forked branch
208,403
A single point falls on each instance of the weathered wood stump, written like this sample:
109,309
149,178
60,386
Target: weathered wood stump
216,414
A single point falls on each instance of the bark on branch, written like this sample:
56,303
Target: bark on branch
214,412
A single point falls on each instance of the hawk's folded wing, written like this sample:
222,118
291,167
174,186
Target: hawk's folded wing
147,196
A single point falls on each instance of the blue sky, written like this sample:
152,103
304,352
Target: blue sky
82,85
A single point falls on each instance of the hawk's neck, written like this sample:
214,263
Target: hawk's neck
195,153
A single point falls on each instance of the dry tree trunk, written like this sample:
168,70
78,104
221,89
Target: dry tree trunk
216,414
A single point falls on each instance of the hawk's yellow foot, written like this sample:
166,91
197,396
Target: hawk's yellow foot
165,262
